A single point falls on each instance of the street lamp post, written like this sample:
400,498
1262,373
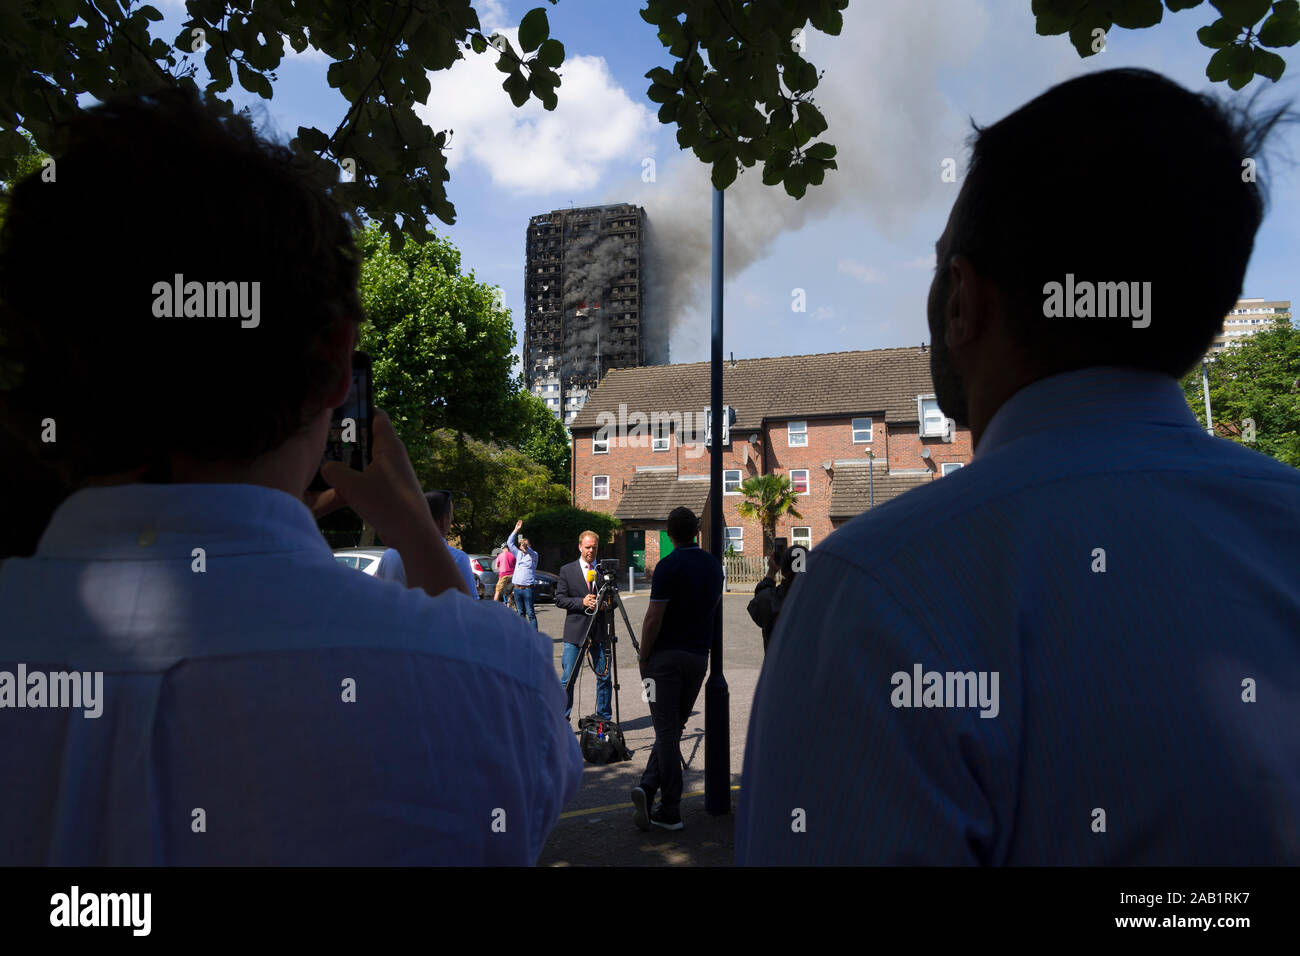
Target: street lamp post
717,699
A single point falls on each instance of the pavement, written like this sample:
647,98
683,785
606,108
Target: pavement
595,828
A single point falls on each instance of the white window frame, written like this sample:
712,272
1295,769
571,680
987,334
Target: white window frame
595,441
736,542
730,471
853,425
920,417
801,540
791,433
594,496
948,467
662,441
807,479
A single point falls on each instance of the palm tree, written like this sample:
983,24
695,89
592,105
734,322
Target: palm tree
770,497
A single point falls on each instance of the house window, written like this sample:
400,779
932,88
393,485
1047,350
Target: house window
799,481
600,486
660,441
731,482
861,430
797,434
931,417
801,537
599,441
948,467
735,538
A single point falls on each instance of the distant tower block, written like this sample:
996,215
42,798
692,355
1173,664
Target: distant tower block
583,301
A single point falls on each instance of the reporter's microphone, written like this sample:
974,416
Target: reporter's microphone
591,575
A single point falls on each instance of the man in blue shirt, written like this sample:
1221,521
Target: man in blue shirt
675,639
440,507
525,577
244,698
1082,648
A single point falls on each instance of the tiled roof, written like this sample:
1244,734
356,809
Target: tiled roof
650,495
851,488
834,383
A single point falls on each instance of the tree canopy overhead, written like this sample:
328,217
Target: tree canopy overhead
1239,36
53,53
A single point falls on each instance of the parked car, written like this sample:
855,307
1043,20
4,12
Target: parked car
544,587
484,575
365,560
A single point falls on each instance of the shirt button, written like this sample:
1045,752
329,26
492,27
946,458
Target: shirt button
146,538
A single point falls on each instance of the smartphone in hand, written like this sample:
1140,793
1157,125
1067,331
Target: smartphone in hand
352,424
778,549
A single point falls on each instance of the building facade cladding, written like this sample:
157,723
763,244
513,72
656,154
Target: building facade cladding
825,437
584,301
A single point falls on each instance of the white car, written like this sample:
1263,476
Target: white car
365,560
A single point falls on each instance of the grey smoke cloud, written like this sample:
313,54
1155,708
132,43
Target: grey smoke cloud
889,120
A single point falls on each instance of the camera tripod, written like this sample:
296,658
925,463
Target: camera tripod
600,631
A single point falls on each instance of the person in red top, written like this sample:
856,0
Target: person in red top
504,565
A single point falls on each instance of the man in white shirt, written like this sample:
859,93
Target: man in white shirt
187,677
440,506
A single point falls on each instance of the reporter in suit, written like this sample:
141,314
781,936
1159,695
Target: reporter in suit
576,596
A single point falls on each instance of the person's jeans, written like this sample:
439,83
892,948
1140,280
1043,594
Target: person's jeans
677,677
604,685
524,603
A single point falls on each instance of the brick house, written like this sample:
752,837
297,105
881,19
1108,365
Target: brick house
849,428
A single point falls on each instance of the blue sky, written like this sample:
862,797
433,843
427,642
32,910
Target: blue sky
901,83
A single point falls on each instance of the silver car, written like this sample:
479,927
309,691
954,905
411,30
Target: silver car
365,560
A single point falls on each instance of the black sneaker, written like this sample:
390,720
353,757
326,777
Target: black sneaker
641,815
662,819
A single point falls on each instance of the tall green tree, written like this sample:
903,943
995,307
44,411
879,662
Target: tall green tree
492,486
540,435
1240,37
1255,393
768,498
442,348
55,52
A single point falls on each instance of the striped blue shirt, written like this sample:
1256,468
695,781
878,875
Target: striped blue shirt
1132,585
525,564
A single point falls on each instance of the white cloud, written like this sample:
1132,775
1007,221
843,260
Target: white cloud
923,262
821,313
752,299
860,271
492,16
528,150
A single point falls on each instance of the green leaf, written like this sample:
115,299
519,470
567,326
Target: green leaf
660,94
1280,32
820,151
1137,14
1238,80
1243,13
724,171
1054,17
1218,34
1268,63
309,137
1217,69
478,43
151,13
1287,9
517,87
254,82
533,29
551,53
1176,5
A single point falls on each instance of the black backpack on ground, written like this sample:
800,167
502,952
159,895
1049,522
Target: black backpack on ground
601,740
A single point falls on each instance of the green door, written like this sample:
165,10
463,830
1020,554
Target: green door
636,551
665,545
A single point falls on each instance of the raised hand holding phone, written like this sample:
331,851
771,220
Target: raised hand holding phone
388,497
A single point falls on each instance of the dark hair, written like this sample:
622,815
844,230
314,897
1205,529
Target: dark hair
682,525
146,187
439,505
1116,176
